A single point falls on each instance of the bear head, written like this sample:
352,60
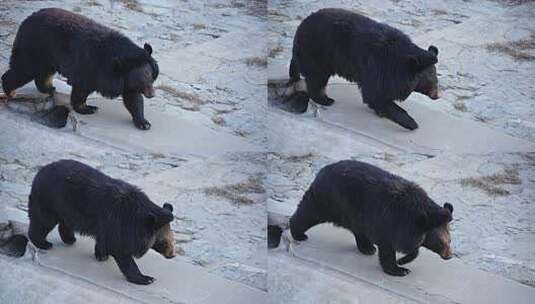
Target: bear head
163,239
425,72
437,235
138,71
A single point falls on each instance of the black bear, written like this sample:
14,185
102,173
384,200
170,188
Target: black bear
382,60
378,208
91,56
124,222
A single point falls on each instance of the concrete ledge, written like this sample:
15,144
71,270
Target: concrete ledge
432,280
176,281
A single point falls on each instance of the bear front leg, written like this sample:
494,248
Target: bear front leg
12,80
364,244
78,101
387,259
408,258
129,268
395,113
134,104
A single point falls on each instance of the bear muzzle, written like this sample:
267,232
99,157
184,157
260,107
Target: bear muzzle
435,94
446,254
148,92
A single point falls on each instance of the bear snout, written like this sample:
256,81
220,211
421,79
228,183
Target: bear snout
435,94
446,254
149,92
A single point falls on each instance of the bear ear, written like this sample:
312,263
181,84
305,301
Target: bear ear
168,207
155,222
433,49
449,207
148,48
420,62
439,217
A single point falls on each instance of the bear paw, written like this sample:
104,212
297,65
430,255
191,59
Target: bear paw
324,101
370,250
86,109
397,271
142,124
101,258
141,280
300,237
45,245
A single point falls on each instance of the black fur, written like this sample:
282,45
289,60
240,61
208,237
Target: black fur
378,207
91,56
120,217
381,59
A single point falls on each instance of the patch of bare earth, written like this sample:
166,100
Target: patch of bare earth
491,184
519,50
237,193
187,101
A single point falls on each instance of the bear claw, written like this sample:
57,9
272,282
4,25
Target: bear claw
86,109
143,124
142,280
397,271
45,245
368,251
300,237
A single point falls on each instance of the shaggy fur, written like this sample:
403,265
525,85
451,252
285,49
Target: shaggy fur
380,59
91,56
120,217
379,208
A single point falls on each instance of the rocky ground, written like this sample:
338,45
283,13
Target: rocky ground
486,63
218,195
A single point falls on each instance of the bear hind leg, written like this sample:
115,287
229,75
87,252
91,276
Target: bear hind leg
364,245
12,80
316,88
78,101
44,84
39,229
66,234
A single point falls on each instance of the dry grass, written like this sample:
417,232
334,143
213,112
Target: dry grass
237,193
93,3
275,51
199,26
460,106
218,120
514,2
132,5
194,101
491,183
256,61
300,158
516,49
